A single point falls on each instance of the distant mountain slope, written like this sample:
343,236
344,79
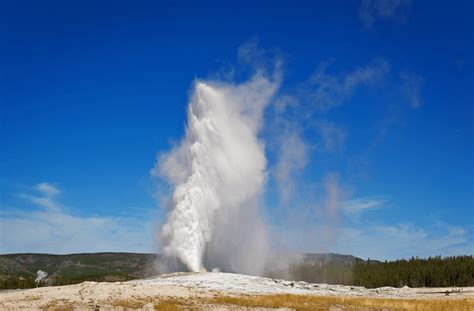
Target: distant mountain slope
19,270
331,258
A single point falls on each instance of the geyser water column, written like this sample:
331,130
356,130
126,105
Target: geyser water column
219,166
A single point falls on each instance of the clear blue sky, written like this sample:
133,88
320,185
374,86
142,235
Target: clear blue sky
90,92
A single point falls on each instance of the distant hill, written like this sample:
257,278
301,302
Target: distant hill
20,270
331,258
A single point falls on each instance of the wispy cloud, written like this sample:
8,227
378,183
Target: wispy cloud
334,194
359,205
293,156
260,60
379,241
50,229
395,10
45,202
411,87
332,136
43,195
367,237
298,128
324,215
48,189
330,90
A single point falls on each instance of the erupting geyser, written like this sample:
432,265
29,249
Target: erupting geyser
217,173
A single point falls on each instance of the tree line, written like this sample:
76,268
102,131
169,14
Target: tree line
436,271
415,272
15,282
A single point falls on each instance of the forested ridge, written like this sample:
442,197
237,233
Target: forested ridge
416,272
19,270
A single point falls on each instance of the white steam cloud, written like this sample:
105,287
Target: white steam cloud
40,275
218,172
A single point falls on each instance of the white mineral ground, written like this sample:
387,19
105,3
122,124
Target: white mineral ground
195,285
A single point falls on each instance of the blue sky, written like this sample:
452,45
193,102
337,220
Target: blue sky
382,128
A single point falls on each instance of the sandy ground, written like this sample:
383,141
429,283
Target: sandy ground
93,295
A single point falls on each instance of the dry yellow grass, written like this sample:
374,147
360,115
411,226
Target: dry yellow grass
174,304
128,304
59,305
300,302
169,305
33,298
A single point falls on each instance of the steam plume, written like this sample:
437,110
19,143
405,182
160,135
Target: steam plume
218,172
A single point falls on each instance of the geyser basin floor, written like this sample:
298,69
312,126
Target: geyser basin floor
210,290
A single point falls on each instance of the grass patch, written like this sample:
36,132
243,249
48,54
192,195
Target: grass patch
33,298
128,304
59,305
300,302
169,305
